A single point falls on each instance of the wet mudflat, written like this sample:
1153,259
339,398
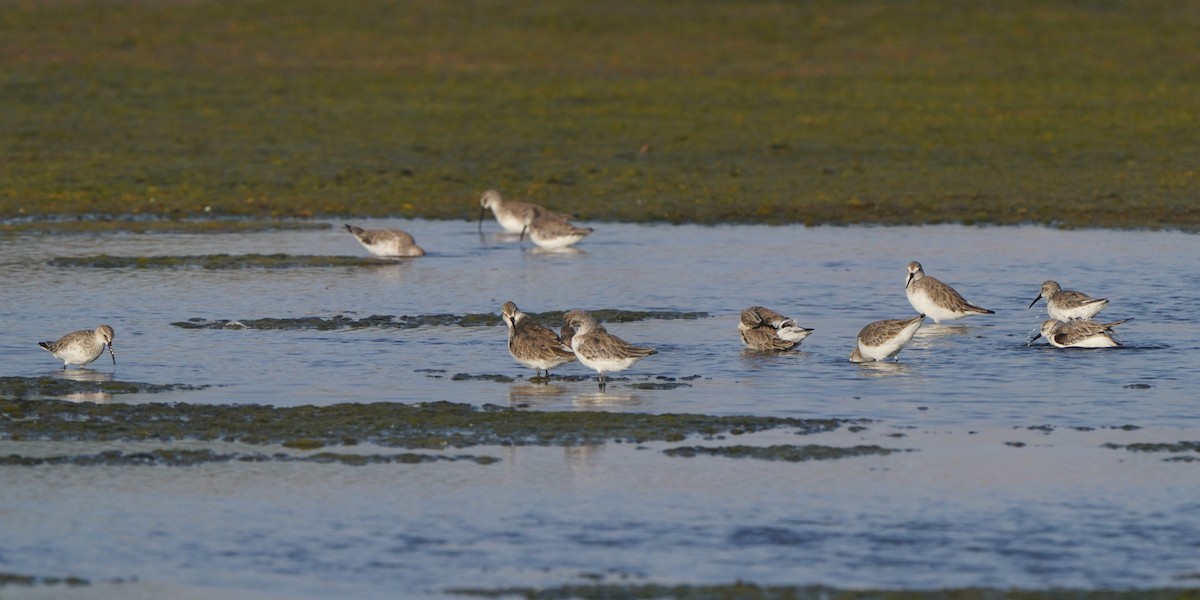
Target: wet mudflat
976,461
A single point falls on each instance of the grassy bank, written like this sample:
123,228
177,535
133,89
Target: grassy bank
1078,114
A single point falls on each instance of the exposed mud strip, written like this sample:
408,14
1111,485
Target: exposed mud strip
27,387
89,225
425,425
786,452
218,261
190,458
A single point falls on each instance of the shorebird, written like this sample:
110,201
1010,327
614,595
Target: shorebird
598,349
386,242
1067,305
82,347
936,299
566,333
513,216
764,329
532,344
552,232
1078,334
884,339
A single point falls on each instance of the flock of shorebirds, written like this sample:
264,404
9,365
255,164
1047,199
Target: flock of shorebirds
583,338
538,347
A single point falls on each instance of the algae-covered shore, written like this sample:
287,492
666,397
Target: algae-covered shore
425,425
1078,115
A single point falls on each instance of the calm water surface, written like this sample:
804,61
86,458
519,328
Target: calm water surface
983,500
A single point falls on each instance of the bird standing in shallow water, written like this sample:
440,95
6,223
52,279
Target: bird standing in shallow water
513,216
884,339
1066,305
936,299
553,233
764,329
532,344
1078,334
82,347
386,242
598,349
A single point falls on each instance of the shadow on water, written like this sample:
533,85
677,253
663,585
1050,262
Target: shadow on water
534,394
607,399
84,375
554,252
940,330
882,368
81,374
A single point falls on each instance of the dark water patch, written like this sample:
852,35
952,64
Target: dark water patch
786,452
770,536
190,458
52,387
1157,447
488,377
1047,429
410,322
13,579
750,591
576,378
218,261
658,385
84,225
425,425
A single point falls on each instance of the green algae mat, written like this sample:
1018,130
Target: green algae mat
425,425
83,224
218,261
22,387
865,111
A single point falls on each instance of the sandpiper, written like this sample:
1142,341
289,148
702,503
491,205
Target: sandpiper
884,339
598,349
513,216
764,329
1078,334
566,333
386,242
552,232
82,347
1067,305
532,344
936,299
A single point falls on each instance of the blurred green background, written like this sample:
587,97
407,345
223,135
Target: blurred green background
1071,113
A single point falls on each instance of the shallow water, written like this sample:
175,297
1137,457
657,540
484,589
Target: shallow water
966,509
